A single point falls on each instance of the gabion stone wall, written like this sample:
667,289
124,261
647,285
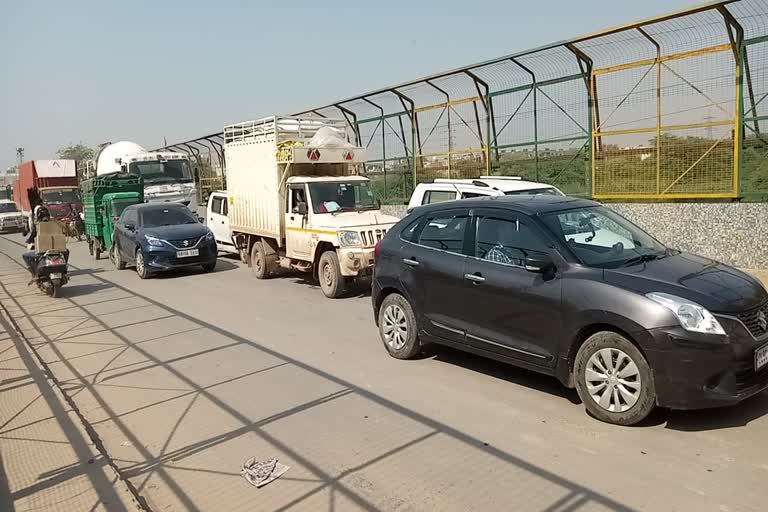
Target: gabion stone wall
734,233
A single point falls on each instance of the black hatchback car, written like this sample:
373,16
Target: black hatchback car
162,236
570,288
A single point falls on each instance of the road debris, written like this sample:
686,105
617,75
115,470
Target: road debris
259,474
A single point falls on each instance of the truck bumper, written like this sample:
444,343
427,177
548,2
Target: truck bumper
355,261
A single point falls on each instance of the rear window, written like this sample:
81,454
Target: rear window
534,191
438,196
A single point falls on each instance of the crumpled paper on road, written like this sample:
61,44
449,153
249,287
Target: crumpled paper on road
261,473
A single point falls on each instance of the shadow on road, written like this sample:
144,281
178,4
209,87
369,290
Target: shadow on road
164,382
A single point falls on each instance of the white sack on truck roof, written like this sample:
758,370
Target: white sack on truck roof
327,137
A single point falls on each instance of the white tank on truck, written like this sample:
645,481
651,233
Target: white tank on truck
295,199
167,175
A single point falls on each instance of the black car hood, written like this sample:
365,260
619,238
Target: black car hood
177,232
717,287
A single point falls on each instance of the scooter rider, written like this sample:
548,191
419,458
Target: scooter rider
39,214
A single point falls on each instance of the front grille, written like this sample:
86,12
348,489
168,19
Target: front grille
372,236
756,320
180,244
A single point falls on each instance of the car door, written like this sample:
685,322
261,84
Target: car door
297,233
127,237
521,313
432,272
218,222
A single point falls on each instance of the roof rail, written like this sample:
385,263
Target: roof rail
516,178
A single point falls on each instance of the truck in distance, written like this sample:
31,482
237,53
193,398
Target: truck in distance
296,199
52,182
167,175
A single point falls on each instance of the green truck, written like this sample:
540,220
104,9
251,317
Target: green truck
104,199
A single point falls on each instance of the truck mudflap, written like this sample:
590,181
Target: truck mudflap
355,261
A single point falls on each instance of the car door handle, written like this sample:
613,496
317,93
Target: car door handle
410,262
474,278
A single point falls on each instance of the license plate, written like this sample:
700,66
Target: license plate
55,276
761,357
188,253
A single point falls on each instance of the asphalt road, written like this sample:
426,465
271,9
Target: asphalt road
185,376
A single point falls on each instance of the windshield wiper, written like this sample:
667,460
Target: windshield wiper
643,258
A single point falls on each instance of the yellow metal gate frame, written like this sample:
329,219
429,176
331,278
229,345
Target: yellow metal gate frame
659,61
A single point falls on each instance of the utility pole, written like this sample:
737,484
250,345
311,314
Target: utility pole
20,154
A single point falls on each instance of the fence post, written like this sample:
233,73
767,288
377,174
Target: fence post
535,116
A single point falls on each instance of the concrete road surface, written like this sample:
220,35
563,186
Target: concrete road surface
185,376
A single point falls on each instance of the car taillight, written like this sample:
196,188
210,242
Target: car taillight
376,250
55,261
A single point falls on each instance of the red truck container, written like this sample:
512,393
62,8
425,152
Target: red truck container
54,182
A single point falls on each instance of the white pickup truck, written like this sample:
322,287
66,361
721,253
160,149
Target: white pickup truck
295,200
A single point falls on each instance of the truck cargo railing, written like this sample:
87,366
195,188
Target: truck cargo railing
280,129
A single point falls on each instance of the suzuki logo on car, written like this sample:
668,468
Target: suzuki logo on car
762,320
185,243
313,154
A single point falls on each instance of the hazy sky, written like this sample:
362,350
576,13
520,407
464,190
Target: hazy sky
139,70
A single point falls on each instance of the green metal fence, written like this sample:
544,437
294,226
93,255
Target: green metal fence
670,107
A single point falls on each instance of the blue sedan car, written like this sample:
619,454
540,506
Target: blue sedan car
155,237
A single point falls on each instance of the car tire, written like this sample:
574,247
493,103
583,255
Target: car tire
614,380
209,267
114,255
398,328
259,261
141,265
329,273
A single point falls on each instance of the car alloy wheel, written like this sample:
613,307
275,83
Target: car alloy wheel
613,380
395,327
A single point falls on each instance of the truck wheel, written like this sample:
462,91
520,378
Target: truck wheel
114,255
614,380
259,261
331,281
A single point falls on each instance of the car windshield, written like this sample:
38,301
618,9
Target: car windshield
156,217
549,191
157,172
601,238
8,208
120,204
341,196
59,196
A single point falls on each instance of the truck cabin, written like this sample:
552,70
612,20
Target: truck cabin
330,195
61,201
159,168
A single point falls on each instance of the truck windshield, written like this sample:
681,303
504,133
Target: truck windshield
156,172
8,208
341,196
59,196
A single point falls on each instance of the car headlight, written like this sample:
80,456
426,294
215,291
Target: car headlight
349,238
209,236
153,241
692,317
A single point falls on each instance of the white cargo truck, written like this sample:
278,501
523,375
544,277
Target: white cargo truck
296,199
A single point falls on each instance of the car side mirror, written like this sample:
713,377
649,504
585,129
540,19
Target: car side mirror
130,227
301,208
539,263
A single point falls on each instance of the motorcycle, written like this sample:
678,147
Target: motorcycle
73,226
51,272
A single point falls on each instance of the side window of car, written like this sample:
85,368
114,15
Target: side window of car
445,233
508,241
409,232
438,196
470,195
216,204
